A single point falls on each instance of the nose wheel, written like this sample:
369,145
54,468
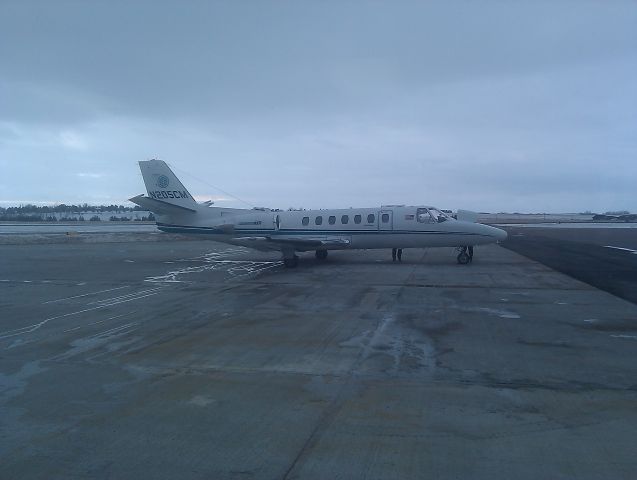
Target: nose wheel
291,262
321,254
462,258
465,256
290,259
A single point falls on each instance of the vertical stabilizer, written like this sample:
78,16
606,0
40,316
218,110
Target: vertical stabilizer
163,185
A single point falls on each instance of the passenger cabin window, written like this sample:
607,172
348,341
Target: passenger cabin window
423,216
371,218
318,220
331,220
306,221
345,219
357,219
385,218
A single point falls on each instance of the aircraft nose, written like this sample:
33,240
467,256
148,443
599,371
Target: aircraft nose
500,234
496,233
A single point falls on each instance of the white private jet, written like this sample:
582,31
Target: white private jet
390,226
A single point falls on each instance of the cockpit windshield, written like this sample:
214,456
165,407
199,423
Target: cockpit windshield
438,215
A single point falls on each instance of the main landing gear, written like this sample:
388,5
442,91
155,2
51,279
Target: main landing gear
321,254
466,255
291,262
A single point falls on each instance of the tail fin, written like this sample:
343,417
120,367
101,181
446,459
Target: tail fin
163,185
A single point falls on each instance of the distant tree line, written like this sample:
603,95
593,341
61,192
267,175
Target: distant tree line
61,208
69,213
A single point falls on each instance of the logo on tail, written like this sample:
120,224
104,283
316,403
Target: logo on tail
162,181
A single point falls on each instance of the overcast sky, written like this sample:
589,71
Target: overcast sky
492,106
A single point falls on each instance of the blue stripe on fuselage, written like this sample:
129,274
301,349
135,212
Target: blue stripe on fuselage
241,231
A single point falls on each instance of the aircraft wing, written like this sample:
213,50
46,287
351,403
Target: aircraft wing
297,242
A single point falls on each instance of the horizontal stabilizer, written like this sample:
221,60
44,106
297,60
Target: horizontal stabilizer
157,206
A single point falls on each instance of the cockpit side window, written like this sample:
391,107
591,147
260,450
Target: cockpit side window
423,216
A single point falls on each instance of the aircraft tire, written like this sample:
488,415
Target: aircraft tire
291,262
463,258
321,254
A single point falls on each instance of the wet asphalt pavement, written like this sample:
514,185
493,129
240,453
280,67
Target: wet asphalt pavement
197,360
605,258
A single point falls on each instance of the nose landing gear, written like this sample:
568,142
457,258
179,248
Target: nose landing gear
321,254
291,262
466,255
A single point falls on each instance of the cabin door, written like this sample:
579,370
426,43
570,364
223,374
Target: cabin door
386,220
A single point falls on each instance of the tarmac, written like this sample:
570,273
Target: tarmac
197,360
605,257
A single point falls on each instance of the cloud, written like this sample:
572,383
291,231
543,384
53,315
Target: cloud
488,105
223,59
89,175
72,140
